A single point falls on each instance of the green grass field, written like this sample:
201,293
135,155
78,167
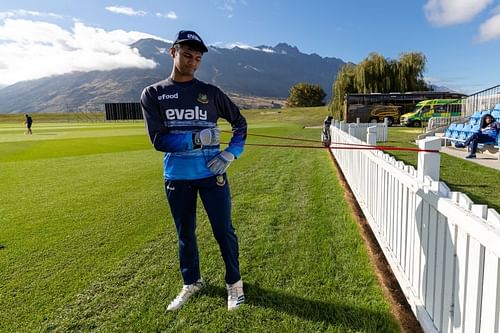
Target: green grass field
89,245
481,184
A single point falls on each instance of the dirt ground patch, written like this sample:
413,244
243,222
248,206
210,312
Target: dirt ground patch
399,305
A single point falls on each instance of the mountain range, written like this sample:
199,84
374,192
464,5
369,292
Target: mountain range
264,72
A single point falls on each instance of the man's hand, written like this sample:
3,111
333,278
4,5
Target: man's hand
219,164
207,137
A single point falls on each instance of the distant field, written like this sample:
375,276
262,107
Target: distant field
89,244
53,117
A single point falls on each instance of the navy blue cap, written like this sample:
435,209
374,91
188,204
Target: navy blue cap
190,37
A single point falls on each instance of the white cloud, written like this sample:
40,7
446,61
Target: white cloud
228,6
448,12
490,29
23,12
32,49
170,15
126,11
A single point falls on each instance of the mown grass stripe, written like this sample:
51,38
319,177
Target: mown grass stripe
90,244
304,265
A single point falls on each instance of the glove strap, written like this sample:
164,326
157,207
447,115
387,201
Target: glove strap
196,142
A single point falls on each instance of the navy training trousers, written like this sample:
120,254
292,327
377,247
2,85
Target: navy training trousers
215,196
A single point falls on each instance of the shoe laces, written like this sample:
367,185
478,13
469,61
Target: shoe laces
184,291
234,291
189,289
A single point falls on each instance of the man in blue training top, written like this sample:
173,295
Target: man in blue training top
181,115
487,133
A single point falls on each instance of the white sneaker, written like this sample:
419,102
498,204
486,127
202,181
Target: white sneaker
235,295
187,291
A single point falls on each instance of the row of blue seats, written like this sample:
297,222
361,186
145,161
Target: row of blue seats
460,132
475,119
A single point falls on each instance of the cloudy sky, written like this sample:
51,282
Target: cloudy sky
461,38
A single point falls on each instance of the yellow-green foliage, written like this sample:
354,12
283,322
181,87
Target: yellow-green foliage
378,74
305,95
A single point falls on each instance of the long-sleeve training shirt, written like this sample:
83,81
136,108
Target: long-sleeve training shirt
175,111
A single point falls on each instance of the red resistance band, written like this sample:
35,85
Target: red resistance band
342,145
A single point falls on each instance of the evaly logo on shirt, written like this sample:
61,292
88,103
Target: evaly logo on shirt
165,96
202,98
186,114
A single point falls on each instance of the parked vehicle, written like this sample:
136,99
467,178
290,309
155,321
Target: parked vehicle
374,107
375,114
437,108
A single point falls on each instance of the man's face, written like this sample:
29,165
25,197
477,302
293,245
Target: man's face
186,60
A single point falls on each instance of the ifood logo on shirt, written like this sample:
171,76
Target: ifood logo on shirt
186,114
165,96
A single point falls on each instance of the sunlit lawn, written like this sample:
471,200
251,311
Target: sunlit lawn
89,245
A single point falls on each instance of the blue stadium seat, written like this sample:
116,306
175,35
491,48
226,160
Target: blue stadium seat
456,131
466,132
497,107
450,130
477,114
496,114
475,118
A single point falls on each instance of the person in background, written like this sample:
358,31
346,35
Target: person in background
181,116
487,133
28,123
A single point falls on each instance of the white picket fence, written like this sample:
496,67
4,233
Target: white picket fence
359,130
443,248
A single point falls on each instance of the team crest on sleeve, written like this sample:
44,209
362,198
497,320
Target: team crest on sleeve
202,98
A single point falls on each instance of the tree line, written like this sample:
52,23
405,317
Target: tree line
378,74
374,74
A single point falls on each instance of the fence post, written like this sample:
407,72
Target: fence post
343,126
351,129
358,121
429,163
371,135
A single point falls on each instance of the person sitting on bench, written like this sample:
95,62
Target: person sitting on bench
487,133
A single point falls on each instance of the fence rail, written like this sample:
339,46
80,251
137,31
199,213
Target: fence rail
437,122
359,130
481,101
443,248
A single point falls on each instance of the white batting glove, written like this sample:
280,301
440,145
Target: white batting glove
219,164
207,137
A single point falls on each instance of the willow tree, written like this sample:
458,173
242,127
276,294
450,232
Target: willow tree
378,74
373,74
410,69
343,84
